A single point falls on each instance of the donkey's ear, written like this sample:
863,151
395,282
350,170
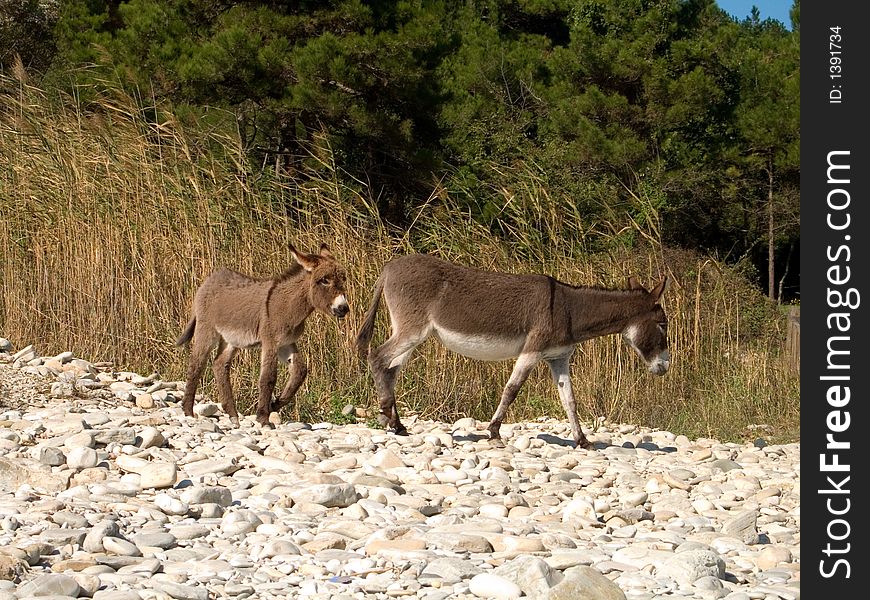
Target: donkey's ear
324,251
657,292
307,261
633,283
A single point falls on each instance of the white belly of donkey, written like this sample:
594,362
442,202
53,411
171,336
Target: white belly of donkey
480,346
239,338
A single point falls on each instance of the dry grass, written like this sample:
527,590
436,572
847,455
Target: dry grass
109,220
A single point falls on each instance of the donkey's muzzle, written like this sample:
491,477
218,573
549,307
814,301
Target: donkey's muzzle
339,307
659,365
658,369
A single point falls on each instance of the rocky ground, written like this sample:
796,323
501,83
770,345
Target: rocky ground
107,491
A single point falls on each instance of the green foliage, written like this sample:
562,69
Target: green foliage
25,32
606,101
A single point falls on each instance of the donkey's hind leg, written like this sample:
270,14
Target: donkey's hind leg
386,360
561,370
203,342
221,368
524,365
298,372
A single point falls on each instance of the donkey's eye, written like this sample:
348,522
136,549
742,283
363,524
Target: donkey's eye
323,281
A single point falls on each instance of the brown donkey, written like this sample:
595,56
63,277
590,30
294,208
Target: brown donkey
233,311
497,316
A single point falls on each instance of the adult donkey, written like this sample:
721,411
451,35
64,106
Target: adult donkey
233,311
495,316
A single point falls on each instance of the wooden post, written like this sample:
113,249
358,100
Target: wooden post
793,338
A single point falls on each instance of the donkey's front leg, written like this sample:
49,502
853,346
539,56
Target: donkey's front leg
221,367
561,370
298,372
268,376
524,365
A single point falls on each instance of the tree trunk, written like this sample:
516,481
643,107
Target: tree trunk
784,273
771,281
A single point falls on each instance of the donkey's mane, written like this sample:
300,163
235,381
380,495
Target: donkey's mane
600,288
292,271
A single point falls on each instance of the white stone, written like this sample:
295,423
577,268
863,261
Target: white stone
579,507
206,409
633,499
170,505
326,494
386,459
82,458
208,495
487,585
240,522
121,547
158,476
686,567
84,439
497,511
151,437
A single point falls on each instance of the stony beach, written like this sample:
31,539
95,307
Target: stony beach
108,491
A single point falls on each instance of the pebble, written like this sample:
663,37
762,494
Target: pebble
82,458
171,505
219,495
114,545
51,584
127,499
487,585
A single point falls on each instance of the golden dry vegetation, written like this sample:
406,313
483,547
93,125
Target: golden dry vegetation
112,212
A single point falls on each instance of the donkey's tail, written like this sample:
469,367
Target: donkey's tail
364,337
188,333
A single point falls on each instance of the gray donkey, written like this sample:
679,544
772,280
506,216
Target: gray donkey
233,311
497,316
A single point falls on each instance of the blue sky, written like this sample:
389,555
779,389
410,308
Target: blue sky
770,9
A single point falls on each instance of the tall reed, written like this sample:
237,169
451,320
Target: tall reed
112,212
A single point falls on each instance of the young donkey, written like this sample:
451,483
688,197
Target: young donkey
233,311
495,316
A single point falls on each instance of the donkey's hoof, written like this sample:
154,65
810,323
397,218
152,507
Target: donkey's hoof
496,442
400,430
264,423
235,422
584,444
